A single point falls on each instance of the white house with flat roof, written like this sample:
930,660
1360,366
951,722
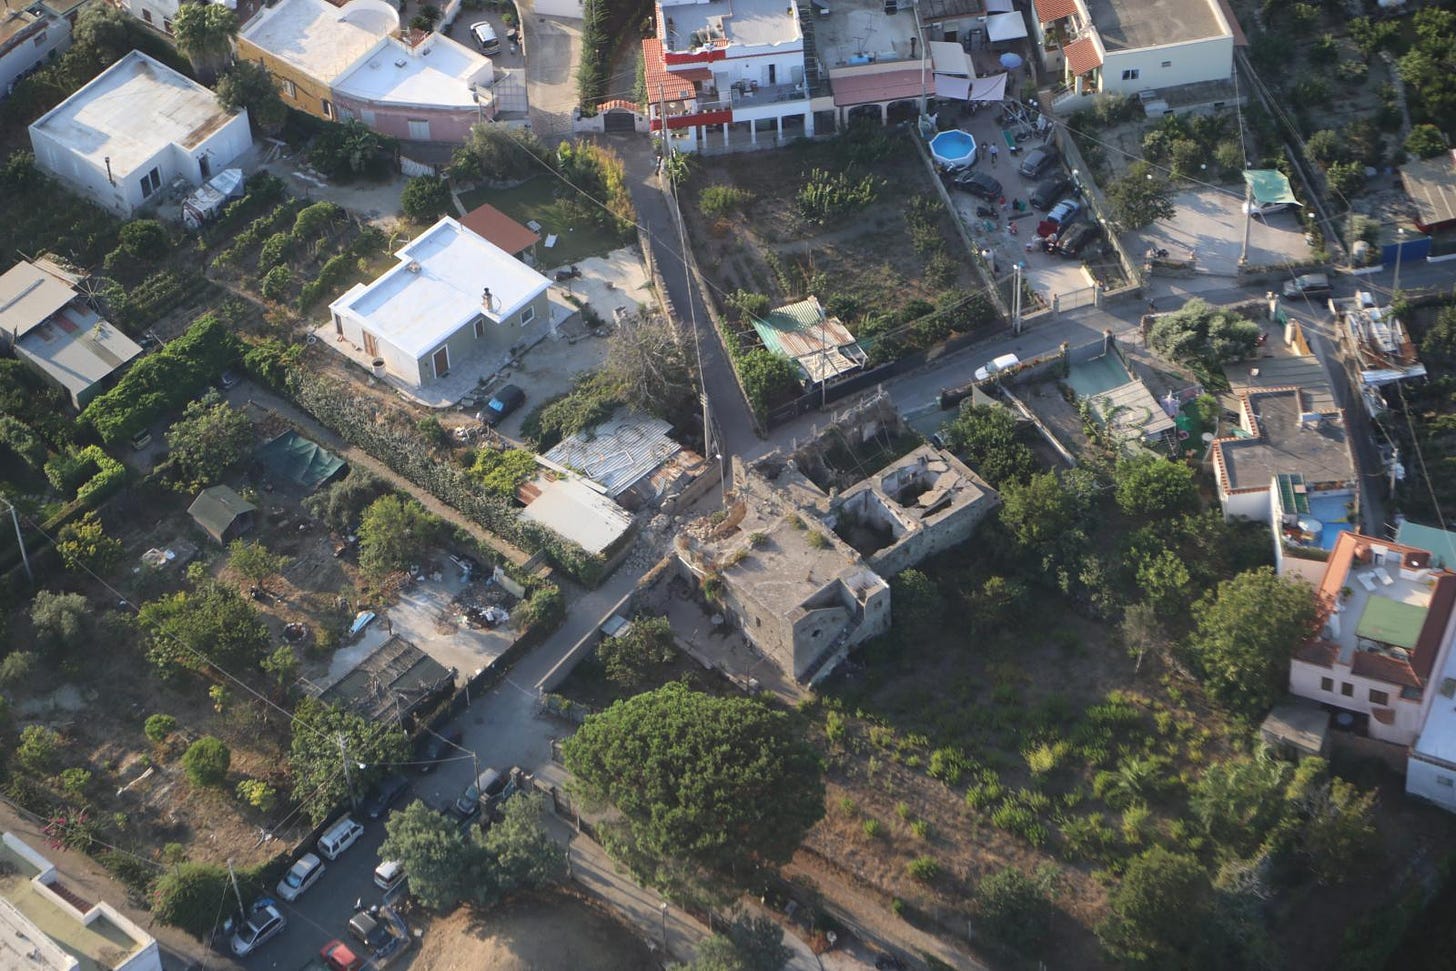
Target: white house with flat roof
135,128
1130,46
47,926
434,310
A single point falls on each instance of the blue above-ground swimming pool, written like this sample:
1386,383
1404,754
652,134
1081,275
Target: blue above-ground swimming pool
953,147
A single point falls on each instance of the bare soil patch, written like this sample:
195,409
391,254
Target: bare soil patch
532,934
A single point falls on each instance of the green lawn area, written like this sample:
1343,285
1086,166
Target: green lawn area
536,199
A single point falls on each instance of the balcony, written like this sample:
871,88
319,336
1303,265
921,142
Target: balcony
747,94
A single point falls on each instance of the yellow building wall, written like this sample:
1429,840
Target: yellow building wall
297,89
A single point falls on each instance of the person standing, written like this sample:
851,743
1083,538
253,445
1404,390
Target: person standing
995,154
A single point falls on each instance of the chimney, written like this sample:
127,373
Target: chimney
414,266
485,300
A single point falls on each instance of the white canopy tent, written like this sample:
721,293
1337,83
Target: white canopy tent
991,88
949,58
1005,26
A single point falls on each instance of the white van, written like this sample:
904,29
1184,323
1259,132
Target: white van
339,837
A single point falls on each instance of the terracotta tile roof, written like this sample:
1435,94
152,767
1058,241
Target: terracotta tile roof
1319,651
1082,56
1050,11
491,224
1378,667
662,84
1428,645
625,105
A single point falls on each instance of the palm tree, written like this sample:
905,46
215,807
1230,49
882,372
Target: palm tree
205,32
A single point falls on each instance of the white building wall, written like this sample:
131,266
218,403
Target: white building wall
78,173
569,9
1304,681
1209,59
221,148
1246,505
1428,780
28,54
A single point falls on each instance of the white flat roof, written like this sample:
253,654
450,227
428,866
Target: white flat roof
416,310
442,77
316,37
1437,739
752,23
131,111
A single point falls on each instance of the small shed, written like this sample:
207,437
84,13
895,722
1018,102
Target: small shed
395,682
1297,727
222,513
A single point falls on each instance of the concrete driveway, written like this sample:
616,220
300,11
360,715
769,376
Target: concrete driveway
1210,226
553,49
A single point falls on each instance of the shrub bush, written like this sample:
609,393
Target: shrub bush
276,283
717,201
923,868
206,761
159,726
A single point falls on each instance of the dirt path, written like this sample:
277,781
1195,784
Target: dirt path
542,934
248,392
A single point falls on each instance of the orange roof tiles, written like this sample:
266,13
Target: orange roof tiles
491,224
1378,667
1082,56
662,84
1050,11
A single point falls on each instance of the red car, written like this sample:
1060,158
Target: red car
338,957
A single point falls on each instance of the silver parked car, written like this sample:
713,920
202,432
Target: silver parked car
258,929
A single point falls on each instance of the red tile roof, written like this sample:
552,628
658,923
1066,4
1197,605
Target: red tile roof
1378,667
662,84
1321,652
868,89
1050,11
491,224
1082,56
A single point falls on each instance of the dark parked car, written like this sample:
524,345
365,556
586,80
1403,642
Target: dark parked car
978,184
1078,238
386,793
1037,162
437,747
369,931
502,403
1049,190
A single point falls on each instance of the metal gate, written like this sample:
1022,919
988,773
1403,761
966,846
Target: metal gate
619,120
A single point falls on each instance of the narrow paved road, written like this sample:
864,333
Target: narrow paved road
728,407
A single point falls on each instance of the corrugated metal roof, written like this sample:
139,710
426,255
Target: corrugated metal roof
572,509
821,344
28,295
617,453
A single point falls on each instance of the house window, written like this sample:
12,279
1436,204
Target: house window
1444,780
1327,684
328,109
146,15
288,88
479,327
1167,63
1131,74
528,315
1347,689
366,116
1379,697
167,26
151,182
419,129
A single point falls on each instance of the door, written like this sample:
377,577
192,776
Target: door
773,74
371,344
442,362
204,165
619,120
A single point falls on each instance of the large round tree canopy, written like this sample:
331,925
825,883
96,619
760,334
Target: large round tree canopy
719,782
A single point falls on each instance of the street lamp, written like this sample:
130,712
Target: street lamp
1399,248
664,927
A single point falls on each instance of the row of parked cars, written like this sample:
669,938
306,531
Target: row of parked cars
1054,193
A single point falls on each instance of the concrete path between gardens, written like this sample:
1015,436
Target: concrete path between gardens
251,392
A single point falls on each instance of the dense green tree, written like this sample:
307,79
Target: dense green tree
85,547
1198,332
143,239
1245,632
204,33
248,85
341,506
210,437
629,659
1048,514
395,533
985,436
648,362
1429,67
1345,179
207,761
1238,802
63,622
187,896
1325,147
1164,581
329,744
282,664
523,854
917,605
1425,141
426,198
253,561
747,944
1015,910
497,153
720,783
1140,197
211,624
1338,834
439,858
102,29
769,379
1150,485
37,750
1439,341
1157,908
348,149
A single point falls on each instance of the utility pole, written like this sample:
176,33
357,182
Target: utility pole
1394,288
1016,298
348,785
236,892
20,540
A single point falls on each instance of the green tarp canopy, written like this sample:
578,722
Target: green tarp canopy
1269,185
295,458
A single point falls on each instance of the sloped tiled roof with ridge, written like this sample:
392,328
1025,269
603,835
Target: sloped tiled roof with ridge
1083,56
1050,11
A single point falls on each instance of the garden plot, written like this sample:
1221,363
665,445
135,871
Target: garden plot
787,226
